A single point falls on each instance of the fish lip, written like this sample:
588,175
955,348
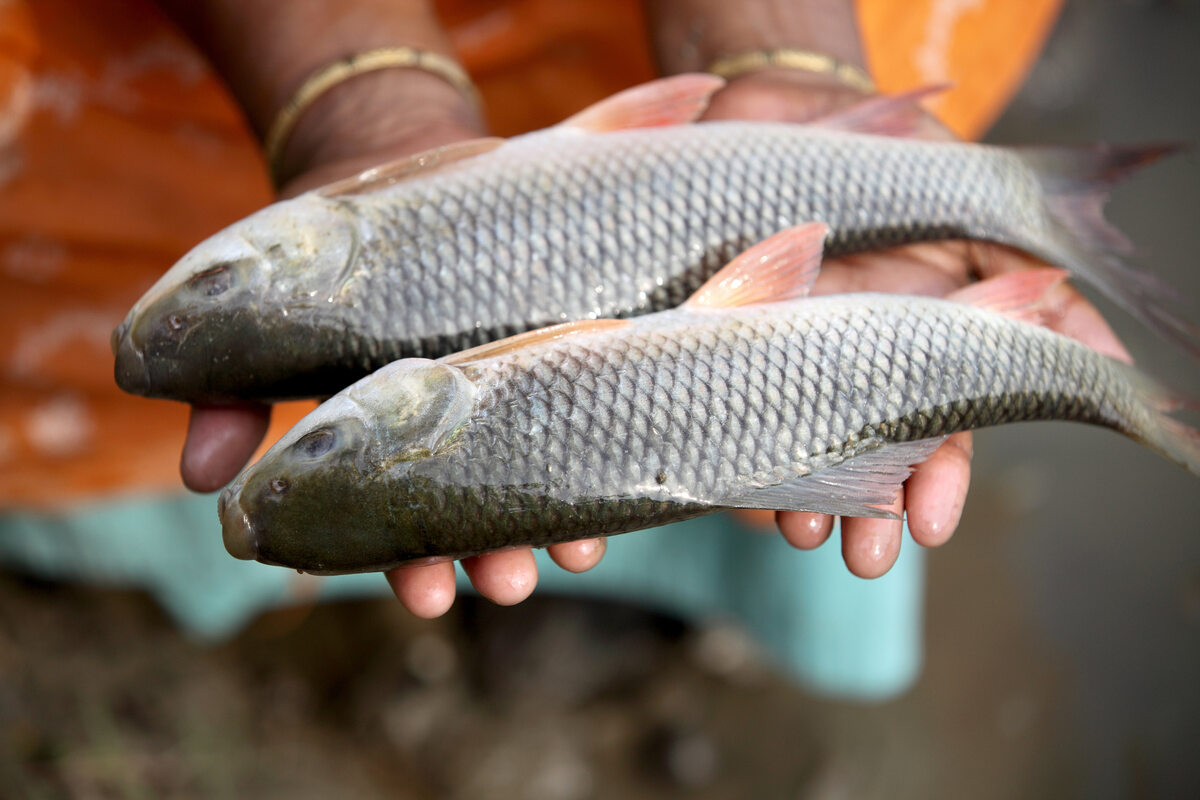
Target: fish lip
130,369
118,335
236,530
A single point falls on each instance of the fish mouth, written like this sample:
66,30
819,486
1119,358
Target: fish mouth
236,531
118,335
130,368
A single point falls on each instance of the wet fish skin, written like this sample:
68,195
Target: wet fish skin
256,305
676,414
561,224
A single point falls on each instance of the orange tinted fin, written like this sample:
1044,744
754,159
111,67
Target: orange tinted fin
886,115
1019,295
782,267
668,101
417,165
532,338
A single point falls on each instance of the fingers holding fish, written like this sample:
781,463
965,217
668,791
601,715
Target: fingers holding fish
937,491
220,441
506,577
933,501
870,546
579,556
427,590
804,530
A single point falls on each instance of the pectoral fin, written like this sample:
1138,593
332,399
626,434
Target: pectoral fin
782,267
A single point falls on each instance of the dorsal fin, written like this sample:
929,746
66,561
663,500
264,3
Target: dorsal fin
531,338
677,100
416,165
782,267
886,115
1020,295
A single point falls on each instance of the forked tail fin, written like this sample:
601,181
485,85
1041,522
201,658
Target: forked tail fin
1076,182
1172,438
1177,441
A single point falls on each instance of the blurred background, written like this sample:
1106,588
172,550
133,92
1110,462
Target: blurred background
1061,640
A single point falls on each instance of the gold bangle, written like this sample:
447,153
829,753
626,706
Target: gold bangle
792,58
330,75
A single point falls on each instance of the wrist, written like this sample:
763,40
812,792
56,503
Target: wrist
689,35
370,119
265,50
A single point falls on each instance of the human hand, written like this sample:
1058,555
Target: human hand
932,499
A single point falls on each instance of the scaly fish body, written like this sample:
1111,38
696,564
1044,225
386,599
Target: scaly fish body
564,224
817,404
559,226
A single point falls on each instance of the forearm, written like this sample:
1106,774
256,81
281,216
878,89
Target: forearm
264,50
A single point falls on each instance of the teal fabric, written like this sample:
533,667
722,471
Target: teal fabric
839,635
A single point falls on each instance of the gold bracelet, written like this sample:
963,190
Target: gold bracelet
330,75
792,58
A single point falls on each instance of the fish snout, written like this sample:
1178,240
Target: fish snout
238,534
118,335
130,368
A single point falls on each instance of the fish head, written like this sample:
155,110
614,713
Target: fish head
246,313
340,491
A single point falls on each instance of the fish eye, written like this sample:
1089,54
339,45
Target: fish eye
317,443
212,281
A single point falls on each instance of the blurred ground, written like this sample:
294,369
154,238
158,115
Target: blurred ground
1063,621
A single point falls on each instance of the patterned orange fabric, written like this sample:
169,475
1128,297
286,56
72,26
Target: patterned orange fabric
119,150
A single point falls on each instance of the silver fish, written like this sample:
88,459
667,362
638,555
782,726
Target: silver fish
611,214
609,426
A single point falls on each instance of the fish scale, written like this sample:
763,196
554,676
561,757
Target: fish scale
664,453
609,212
611,426
599,217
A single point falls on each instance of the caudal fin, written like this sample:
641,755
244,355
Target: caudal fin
1177,441
1076,183
1170,437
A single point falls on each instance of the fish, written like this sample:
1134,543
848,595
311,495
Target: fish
749,395
624,209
